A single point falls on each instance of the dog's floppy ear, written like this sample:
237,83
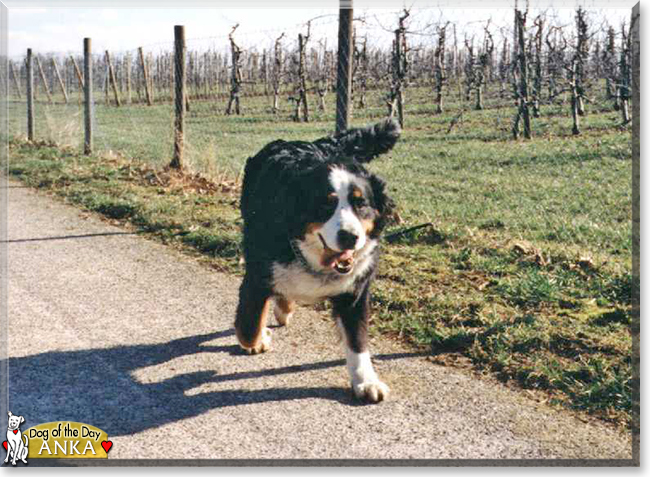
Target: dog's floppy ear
22,419
10,414
382,202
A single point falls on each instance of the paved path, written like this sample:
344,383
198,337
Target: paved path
113,330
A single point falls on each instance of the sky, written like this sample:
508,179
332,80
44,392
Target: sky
60,26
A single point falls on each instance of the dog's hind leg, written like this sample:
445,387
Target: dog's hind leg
250,324
283,310
24,449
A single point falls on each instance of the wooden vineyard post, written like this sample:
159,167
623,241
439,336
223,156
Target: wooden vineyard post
145,75
179,88
128,79
88,95
16,81
344,75
58,77
30,95
44,80
80,78
111,78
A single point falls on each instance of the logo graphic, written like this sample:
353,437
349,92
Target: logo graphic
14,445
55,440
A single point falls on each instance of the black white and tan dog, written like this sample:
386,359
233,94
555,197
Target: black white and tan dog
313,215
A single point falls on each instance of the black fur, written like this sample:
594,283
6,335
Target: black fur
285,188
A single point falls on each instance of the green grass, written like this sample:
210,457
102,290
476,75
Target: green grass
525,273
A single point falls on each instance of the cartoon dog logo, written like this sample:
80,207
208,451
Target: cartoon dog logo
15,445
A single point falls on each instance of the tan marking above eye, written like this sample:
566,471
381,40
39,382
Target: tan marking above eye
368,225
356,192
312,227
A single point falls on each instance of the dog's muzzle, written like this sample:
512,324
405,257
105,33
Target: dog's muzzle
341,262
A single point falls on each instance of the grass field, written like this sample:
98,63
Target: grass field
525,272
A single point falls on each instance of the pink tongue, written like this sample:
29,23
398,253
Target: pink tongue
347,255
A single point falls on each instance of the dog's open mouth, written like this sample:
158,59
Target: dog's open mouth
341,262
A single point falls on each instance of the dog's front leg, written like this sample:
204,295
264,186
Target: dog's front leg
352,314
250,324
14,453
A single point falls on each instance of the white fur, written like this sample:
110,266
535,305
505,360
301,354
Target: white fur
264,343
281,317
16,447
294,282
365,382
344,217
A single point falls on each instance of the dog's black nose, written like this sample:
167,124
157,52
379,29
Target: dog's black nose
347,240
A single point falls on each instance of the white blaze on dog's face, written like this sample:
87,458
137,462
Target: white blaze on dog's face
344,231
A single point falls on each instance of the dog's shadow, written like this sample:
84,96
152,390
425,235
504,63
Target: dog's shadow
97,387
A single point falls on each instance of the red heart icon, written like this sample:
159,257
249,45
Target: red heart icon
15,431
4,444
107,445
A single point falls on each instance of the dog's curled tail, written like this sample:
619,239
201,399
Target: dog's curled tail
364,144
26,440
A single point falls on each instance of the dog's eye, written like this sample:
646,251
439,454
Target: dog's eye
331,202
326,206
359,202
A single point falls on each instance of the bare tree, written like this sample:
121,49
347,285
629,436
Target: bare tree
470,69
360,72
575,95
556,46
323,78
440,69
302,108
523,113
625,74
581,57
235,74
277,72
482,72
609,66
399,71
537,68
504,67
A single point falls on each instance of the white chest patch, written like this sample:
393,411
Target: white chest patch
294,282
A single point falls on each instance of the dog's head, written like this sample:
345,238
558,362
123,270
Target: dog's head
342,210
15,421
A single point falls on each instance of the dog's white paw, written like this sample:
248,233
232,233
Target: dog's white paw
283,310
281,317
371,391
264,344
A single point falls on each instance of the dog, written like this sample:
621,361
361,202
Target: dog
16,447
313,215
